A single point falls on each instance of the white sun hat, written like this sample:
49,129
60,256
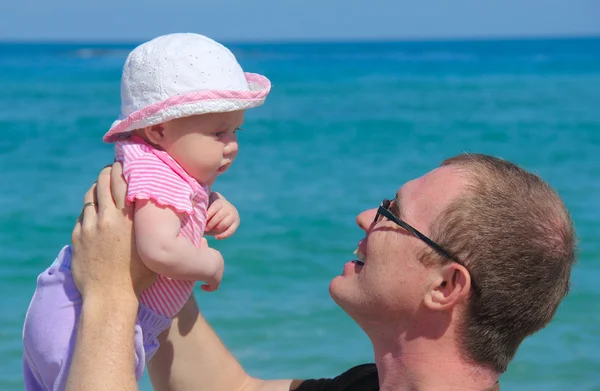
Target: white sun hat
179,75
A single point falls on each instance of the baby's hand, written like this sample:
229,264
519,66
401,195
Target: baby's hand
213,256
223,218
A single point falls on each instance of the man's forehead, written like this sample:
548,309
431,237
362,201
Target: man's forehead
434,188
440,177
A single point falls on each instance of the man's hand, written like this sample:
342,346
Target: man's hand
110,276
105,260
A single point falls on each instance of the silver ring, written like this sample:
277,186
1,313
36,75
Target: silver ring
89,204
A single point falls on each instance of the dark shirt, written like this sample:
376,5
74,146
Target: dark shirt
360,378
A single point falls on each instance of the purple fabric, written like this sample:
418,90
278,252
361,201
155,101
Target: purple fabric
51,327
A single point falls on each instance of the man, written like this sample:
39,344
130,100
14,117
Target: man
452,275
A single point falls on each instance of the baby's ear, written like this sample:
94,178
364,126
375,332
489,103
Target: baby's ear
155,134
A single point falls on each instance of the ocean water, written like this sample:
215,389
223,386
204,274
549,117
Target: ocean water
346,124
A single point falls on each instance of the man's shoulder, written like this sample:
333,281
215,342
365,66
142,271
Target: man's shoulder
359,378
361,373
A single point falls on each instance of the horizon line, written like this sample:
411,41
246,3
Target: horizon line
489,38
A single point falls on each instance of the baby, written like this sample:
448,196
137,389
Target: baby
183,100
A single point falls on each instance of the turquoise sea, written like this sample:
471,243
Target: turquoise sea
346,124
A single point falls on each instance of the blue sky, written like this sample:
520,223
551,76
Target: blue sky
275,20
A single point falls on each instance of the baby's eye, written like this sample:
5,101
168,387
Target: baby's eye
236,129
219,134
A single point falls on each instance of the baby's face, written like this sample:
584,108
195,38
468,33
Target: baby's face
204,145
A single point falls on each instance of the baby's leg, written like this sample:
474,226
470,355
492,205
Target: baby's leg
31,377
148,327
50,327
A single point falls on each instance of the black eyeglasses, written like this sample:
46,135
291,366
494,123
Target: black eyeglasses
384,210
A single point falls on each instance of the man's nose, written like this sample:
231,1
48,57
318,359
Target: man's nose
365,219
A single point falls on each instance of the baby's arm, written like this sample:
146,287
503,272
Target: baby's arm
165,252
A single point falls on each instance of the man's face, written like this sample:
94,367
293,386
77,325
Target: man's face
391,284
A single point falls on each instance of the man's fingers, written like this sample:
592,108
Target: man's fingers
103,193
90,194
118,186
76,234
89,212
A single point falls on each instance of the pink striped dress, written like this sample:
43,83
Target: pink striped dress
152,174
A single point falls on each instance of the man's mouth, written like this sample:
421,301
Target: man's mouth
361,257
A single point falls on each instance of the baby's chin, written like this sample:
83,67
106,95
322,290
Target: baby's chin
208,181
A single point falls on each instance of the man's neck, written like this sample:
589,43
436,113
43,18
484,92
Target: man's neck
417,362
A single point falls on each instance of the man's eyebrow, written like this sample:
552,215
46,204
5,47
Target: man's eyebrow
397,205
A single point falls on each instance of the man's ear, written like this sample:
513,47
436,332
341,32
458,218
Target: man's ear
451,283
155,134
